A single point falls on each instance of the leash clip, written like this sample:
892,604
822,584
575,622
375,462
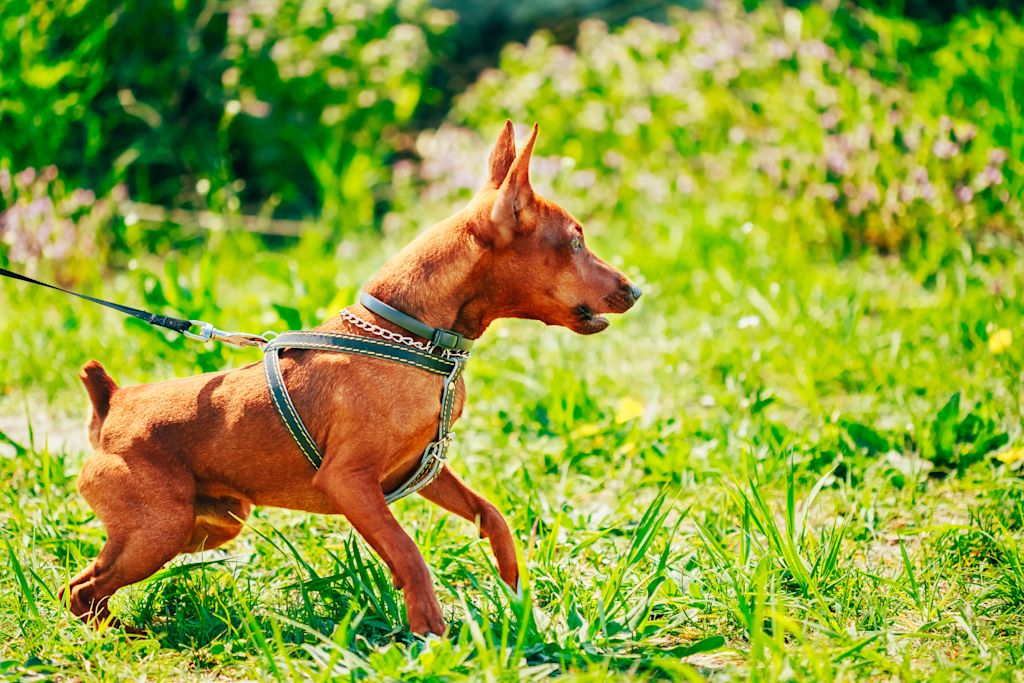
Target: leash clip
207,332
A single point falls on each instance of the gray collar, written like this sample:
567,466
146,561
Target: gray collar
442,338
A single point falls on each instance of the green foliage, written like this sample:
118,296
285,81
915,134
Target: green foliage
979,74
285,103
962,441
52,77
759,113
970,68
51,230
326,88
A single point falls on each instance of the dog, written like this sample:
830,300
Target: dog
178,465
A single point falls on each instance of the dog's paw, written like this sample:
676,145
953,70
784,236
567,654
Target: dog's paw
425,616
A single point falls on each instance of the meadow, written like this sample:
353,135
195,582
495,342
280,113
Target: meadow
796,459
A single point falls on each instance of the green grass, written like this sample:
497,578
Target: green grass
757,473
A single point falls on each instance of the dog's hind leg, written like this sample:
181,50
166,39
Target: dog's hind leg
217,521
448,491
146,503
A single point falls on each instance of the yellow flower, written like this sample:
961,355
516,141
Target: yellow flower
1000,341
1011,456
629,409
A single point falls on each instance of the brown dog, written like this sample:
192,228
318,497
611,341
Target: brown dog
178,464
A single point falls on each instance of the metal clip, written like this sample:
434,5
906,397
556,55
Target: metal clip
437,451
207,332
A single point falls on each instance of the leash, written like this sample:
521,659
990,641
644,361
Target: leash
206,330
393,347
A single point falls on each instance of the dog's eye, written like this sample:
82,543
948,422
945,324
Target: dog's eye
576,243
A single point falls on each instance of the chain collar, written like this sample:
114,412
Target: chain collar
367,326
438,336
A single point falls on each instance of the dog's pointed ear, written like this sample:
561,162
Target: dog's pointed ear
502,156
515,190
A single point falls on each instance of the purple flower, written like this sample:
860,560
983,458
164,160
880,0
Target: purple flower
837,162
990,175
945,149
25,178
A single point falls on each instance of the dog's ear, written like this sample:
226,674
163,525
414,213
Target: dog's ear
515,191
503,154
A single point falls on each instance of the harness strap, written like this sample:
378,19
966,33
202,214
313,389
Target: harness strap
451,368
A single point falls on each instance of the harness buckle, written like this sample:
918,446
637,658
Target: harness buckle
438,450
446,339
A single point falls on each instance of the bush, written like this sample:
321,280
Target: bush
325,90
51,230
299,104
757,114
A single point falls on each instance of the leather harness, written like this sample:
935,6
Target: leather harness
446,365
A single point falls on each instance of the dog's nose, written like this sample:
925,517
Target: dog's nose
635,291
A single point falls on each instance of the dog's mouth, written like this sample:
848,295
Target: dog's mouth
589,321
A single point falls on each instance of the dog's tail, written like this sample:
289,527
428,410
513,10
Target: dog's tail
100,387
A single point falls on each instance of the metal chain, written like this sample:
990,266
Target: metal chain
351,317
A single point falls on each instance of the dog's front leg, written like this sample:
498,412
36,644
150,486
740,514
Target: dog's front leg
448,491
357,495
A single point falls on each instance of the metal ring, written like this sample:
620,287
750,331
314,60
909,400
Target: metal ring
205,331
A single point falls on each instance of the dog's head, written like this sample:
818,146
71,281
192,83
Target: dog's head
540,266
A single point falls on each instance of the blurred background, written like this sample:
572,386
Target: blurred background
843,117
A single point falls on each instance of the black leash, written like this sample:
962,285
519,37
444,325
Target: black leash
176,324
206,330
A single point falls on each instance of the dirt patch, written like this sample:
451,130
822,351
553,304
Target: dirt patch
41,429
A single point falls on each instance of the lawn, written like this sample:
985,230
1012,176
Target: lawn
797,458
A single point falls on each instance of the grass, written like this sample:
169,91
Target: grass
759,473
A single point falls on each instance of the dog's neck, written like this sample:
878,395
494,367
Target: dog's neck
437,279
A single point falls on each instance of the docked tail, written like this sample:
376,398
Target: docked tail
100,387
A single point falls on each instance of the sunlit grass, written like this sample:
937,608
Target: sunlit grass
693,492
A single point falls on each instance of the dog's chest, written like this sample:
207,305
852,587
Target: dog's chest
394,407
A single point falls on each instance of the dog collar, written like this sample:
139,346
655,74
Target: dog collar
440,337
